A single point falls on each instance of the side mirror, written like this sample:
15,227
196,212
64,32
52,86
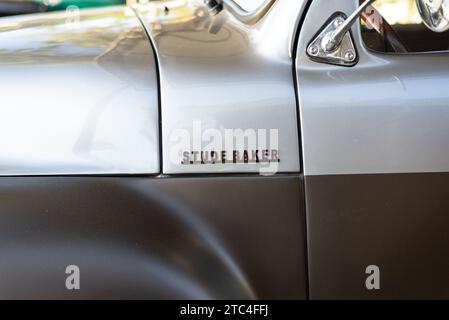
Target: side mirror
435,14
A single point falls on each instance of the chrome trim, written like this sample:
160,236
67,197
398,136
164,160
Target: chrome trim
248,17
435,14
334,39
345,53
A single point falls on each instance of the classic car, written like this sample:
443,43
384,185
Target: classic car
55,5
17,7
190,149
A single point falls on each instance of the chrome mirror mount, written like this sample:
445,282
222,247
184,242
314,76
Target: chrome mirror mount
237,11
435,14
214,6
334,44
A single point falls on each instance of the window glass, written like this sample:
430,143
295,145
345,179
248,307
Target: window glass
396,26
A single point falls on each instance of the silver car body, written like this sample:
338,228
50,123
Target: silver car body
93,112
78,98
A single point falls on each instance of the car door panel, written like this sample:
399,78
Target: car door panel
375,156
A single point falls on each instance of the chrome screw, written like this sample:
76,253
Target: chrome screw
350,55
338,23
313,50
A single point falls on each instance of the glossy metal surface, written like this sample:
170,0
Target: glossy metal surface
336,37
397,222
435,14
143,238
225,74
387,114
248,17
344,54
77,96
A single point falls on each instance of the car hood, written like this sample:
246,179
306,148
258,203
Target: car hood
79,94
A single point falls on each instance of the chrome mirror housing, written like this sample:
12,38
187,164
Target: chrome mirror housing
435,14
